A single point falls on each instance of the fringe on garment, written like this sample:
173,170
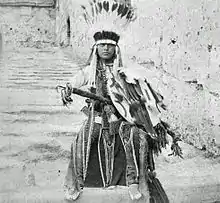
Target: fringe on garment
162,129
157,144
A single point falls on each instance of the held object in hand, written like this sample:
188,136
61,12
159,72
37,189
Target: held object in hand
68,90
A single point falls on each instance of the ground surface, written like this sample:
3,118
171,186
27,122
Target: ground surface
36,132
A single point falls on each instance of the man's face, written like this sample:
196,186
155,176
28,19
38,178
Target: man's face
106,51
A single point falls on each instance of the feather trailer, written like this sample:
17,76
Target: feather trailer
109,16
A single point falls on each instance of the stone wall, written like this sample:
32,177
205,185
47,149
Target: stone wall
28,26
67,10
64,13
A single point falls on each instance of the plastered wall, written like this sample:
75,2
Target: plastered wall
181,38
27,26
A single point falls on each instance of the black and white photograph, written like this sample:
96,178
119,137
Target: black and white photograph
109,101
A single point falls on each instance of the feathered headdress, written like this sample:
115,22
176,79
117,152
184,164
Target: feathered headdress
107,21
110,16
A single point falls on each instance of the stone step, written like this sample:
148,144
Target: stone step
89,195
199,194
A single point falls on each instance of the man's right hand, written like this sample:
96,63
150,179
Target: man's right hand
66,93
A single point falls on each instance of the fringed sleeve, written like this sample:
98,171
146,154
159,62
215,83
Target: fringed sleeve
81,78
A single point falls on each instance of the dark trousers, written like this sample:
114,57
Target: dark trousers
125,169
